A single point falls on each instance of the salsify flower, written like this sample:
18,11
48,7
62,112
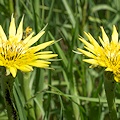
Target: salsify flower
106,55
17,53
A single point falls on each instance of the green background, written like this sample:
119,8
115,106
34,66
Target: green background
72,91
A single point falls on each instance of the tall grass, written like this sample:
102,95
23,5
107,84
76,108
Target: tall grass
72,91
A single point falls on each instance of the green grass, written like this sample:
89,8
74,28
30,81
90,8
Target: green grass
72,91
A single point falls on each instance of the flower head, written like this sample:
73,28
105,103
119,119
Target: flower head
106,55
18,53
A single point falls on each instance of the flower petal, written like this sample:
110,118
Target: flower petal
25,68
41,46
44,52
2,35
1,63
46,56
28,38
114,35
117,78
101,41
91,61
20,30
12,28
86,53
92,40
108,69
13,71
91,50
35,39
86,43
40,63
104,36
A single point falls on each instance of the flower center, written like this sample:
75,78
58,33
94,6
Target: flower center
112,53
10,51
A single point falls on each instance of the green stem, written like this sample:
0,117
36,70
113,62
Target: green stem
110,84
7,89
27,93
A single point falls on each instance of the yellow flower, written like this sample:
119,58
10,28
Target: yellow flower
16,53
106,55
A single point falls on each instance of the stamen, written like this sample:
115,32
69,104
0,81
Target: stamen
11,51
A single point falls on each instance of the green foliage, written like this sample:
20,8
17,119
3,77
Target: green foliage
72,91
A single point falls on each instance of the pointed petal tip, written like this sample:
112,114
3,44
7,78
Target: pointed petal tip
79,49
12,27
2,34
85,33
11,70
22,19
114,35
42,32
117,78
19,34
80,38
55,55
101,27
114,28
104,36
12,16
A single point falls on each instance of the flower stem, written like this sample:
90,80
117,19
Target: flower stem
7,89
110,84
28,95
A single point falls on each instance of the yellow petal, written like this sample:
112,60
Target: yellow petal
86,43
86,53
25,68
2,35
1,63
35,39
104,36
108,69
46,56
91,50
41,46
114,35
7,71
92,40
13,71
28,38
1,58
117,78
101,63
101,41
40,63
91,61
20,30
44,52
12,28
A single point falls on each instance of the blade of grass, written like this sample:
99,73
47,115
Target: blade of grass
69,10
19,104
60,52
